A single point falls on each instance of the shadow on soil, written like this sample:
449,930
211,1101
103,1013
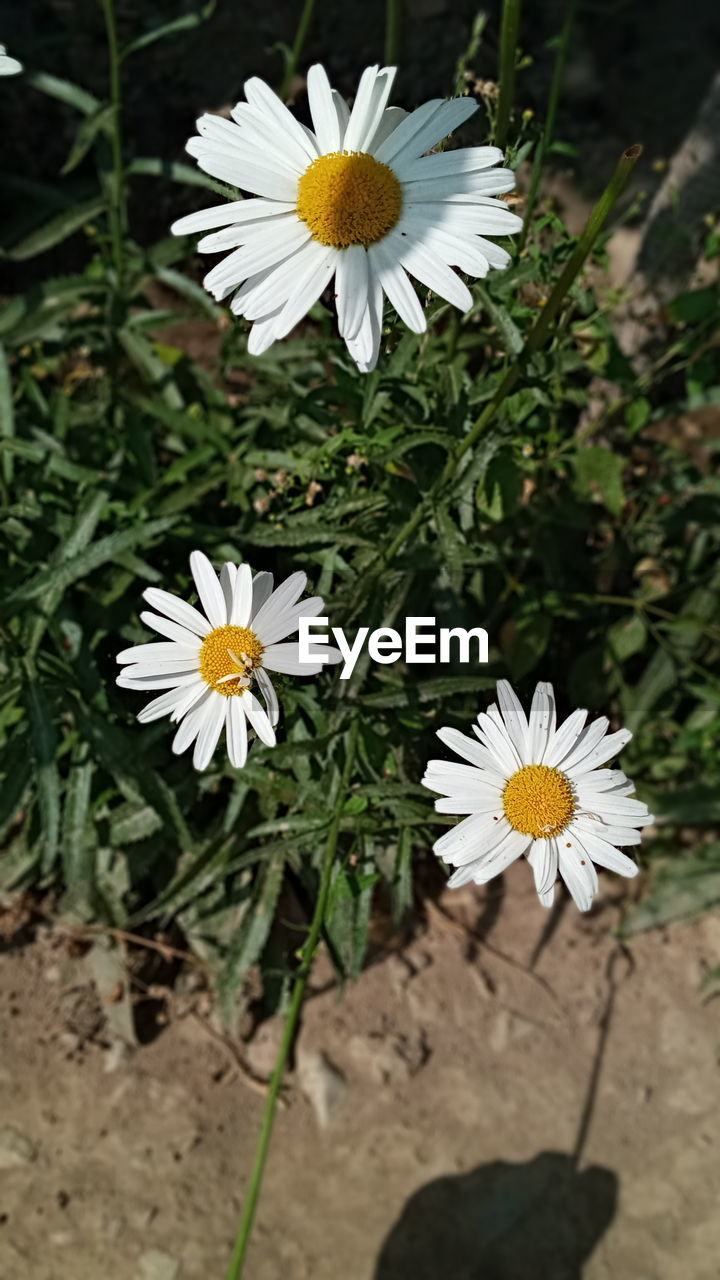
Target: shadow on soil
503,1222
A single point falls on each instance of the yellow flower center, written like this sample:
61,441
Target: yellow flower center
228,657
348,197
538,801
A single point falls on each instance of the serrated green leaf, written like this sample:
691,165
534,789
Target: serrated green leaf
59,228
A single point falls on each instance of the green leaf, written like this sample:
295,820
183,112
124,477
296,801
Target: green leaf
187,23
597,470
685,891
58,578
175,171
91,126
627,637
63,90
43,739
59,228
77,848
695,306
252,933
7,415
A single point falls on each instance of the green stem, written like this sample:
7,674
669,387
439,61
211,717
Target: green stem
300,38
508,56
308,952
534,341
116,203
393,13
549,129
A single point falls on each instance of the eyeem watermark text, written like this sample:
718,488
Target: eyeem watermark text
422,642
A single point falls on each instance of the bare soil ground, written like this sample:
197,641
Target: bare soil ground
538,1104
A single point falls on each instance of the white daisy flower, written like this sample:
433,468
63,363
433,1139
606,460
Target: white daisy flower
208,661
355,198
536,790
8,66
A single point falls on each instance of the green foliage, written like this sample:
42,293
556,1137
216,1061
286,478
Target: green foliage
587,549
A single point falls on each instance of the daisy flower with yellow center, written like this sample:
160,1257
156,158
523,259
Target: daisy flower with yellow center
355,200
536,790
209,661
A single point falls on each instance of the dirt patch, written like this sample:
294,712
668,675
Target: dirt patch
430,1123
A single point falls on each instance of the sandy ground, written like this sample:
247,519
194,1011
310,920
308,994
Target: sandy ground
431,1126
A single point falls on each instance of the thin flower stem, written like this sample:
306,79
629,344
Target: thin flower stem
549,129
508,56
116,202
535,339
393,14
300,38
308,953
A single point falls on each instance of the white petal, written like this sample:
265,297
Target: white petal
284,658
367,112
164,705
168,680
468,187
248,177
351,289
265,686
261,96
210,730
515,719
271,245
493,734
178,610
318,269
602,852
512,847
282,598
227,583
608,748
585,745
322,109
472,840
262,334
190,726
430,269
265,137
261,590
564,738
230,213
208,588
190,695
469,802
473,751
162,652
365,347
165,667
580,879
424,127
391,118
270,289
258,719
543,858
542,721
285,621
239,614
396,285
448,164
236,732
165,627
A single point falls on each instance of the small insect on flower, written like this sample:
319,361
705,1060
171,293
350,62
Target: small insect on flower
535,790
356,198
209,661
8,66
